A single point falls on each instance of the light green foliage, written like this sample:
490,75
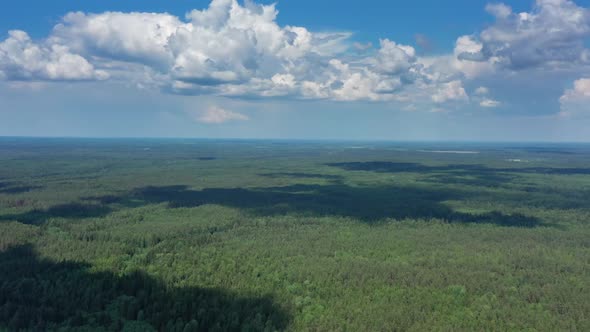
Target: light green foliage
263,236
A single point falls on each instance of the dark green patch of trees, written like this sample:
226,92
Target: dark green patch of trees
39,294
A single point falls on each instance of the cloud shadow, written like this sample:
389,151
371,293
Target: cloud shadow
372,204
12,188
67,211
40,294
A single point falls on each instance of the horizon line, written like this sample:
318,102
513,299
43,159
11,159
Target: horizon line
376,140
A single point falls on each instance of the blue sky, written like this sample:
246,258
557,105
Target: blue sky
388,70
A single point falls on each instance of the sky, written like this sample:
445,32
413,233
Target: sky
422,70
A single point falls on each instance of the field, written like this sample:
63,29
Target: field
218,235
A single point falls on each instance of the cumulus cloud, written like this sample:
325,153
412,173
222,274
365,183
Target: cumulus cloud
489,103
450,91
499,10
227,49
481,91
132,37
469,60
551,35
457,65
481,95
238,50
581,90
362,47
217,115
225,43
394,58
21,59
577,99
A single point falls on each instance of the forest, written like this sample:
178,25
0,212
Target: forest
271,235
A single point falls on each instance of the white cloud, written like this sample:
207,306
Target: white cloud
551,35
224,43
489,103
581,90
393,59
499,10
229,49
361,46
455,66
237,49
217,115
450,91
21,59
577,99
472,66
482,90
131,37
